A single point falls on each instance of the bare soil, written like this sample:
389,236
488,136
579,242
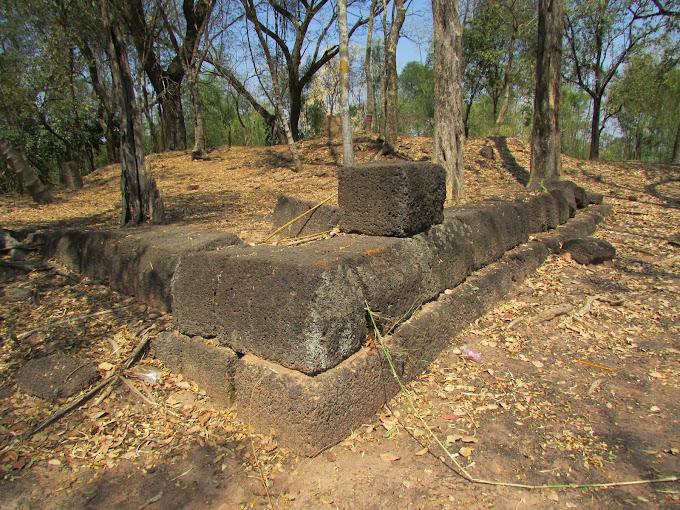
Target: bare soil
578,381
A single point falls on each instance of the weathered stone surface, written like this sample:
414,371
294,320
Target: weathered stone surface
589,250
595,198
580,195
564,209
484,229
212,367
541,213
56,376
487,152
308,414
322,219
8,240
303,307
300,306
391,198
139,261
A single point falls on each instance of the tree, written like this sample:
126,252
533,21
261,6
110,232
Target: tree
644,101
146,27
297,32
192,57
277,96
416,108
142,201
448,122
389,110
545,136
347,143
368,70
29,179
601,36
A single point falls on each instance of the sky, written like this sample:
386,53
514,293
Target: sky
417,33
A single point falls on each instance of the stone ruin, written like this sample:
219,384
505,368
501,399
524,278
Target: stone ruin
281,331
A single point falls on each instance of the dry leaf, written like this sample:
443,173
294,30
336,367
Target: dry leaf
655,409
452,438
537,364
105,365
422,452
465,451
389,457
469,439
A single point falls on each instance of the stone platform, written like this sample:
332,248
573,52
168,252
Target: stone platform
281,331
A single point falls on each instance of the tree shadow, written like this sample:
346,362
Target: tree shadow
520,173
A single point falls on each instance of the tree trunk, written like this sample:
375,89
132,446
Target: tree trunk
142,201
347,142
448,95
545,137
392,80
675,159
595,129
198,152
173,116
29,179
506,76
278,100
72,176
370,89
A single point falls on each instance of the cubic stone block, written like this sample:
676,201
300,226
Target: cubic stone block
580,194
397,199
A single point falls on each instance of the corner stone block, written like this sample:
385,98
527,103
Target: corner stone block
212,367
542,214
580,194
301,307
397,199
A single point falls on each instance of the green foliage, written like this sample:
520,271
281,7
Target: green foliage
646,99
222,124
416,104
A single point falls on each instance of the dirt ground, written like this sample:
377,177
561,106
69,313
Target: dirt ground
578,381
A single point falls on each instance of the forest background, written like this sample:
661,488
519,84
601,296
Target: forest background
217,66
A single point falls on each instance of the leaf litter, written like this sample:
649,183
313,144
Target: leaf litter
578,396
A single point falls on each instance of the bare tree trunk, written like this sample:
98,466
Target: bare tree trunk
142,201
595,129
448,95
508,70
198,152
347,142
392,79
675,160
545,137
156,145
370,89
29,179
278,99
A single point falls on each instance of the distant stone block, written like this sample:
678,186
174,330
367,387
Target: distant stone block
139,261
398,199
321,219
589,250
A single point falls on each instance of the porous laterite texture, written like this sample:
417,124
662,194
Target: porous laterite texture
391,198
